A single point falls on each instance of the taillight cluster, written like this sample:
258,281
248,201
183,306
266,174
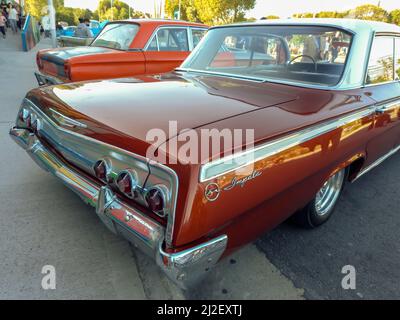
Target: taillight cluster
126,182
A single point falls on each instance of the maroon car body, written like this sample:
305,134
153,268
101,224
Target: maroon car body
308,138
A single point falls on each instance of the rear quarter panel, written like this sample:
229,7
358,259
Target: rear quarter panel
287,181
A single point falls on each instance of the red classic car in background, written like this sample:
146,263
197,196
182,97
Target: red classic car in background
320,97
122,49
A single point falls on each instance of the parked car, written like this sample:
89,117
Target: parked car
68,31
67,37
95,26
316,120
122,49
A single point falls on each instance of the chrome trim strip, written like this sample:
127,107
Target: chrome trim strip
63,120
388,106
177,26
52,80
273,147
376,163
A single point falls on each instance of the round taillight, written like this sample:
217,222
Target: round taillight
101,170
127,184
155,199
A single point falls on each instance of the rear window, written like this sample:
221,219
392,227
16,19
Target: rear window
116,36
303,54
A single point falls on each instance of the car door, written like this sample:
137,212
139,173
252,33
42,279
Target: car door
167,49
383,87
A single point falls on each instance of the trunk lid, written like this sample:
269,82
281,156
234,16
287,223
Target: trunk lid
135,106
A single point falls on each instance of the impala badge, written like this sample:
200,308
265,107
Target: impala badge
212,192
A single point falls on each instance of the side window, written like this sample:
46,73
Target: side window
397,58
170,39
197,35
380,66
153,44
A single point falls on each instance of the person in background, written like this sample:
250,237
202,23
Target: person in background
3,5
46,25
3,24
59,29
12,17
19,17
82,30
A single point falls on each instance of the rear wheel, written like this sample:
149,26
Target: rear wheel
320,209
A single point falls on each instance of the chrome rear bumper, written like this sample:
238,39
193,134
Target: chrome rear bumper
44,80
185,268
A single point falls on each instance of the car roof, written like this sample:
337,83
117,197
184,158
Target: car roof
162,22
353,25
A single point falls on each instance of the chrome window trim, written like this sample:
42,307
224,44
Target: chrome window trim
150,163
154,34
276,146
374,36
191,35
396,55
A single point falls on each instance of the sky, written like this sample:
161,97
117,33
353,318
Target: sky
282,8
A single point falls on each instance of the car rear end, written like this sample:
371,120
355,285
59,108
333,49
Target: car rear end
132,195
52,68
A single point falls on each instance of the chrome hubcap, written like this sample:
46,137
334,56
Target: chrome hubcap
329,193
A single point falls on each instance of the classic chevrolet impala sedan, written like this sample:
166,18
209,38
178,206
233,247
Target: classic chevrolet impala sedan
263,122
122,49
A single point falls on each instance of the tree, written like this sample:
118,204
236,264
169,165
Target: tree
394,17
270,17
119,11
188,10
211,11
326,14
38,8
66,15
371,12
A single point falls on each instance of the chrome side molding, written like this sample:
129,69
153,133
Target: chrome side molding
376,163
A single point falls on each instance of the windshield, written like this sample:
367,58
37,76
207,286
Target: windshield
116,36
303,54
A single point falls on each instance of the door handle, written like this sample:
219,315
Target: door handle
387,107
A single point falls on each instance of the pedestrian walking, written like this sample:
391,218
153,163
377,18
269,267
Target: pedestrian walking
12,17
3,24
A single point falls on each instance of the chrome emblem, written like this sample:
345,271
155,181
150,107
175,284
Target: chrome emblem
212,192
